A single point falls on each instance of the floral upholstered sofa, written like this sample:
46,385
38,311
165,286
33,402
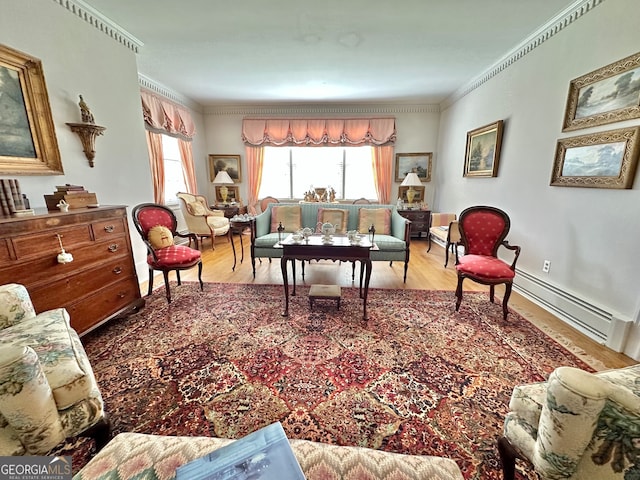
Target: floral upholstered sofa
392,232
577,425
132,456
47,388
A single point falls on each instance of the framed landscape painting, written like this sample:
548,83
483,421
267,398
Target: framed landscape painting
419,163
483,151
600,160
230,163
609,94
29,145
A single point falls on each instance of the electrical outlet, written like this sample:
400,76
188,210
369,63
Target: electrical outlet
546,266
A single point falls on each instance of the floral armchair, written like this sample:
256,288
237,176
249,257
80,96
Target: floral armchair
47,389
577,425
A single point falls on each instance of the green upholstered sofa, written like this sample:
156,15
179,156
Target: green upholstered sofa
392,246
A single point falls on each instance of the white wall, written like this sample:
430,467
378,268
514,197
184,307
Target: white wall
417,128
77,58
589,235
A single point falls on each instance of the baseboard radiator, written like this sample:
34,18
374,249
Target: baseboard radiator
603,326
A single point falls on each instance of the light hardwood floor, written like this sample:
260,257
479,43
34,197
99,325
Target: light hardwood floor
426,271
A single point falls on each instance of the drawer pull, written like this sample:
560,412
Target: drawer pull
122,295
113,247
117,270
109,228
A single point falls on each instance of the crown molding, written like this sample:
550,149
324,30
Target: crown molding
311,109
102,23
554,26
166,92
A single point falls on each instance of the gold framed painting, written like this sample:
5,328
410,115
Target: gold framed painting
233,194
419,197
483,151
607,95
29,145
599,160
419,163
230,163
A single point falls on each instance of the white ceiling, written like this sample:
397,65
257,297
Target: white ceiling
263,52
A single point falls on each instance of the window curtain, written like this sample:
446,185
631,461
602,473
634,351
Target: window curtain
164,117
255,161
377,132
188,168
156,164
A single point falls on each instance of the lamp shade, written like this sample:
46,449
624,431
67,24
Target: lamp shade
223,178
411,180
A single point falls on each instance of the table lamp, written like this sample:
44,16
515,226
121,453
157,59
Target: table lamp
411,180
223,178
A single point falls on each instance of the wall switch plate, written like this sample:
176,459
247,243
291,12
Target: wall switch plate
546,266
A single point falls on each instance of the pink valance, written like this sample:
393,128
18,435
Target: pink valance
163,116
317,131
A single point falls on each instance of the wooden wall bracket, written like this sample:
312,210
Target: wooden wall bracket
87,133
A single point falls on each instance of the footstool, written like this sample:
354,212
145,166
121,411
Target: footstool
135,455
324,292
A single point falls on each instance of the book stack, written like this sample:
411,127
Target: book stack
75,195
12,201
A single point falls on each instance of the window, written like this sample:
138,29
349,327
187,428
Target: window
174,181
289,172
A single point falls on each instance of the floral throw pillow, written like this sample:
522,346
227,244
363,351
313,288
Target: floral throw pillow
380,218
335,216
289,215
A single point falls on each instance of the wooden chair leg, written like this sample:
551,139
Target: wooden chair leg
200,276
150,289
100,432
505,299
166,285
459,293
508,456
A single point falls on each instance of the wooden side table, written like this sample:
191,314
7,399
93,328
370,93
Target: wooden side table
230,210
238,226
420,221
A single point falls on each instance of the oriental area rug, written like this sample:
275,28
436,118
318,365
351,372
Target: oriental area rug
416,378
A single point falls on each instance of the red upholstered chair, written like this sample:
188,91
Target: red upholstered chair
157,226
482,232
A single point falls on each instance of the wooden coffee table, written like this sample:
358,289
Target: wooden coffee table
314,248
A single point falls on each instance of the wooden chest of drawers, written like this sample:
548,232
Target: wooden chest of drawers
99,284
420,221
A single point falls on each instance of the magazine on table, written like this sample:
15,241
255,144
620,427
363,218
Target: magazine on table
262,455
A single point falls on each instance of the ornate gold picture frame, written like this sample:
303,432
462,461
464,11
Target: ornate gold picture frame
29,145
419,163
607,95
599,160
483,151
230,163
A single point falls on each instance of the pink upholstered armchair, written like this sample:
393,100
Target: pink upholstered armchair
482,232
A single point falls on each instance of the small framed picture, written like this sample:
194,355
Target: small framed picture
599,160
230,163
419,163
402,193
483,151
233,194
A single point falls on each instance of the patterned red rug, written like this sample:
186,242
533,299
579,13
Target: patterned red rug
416,378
